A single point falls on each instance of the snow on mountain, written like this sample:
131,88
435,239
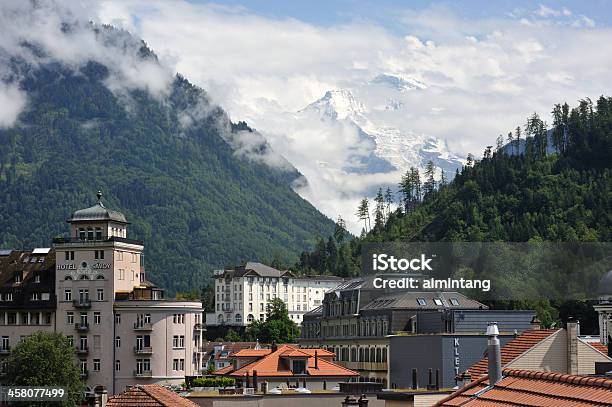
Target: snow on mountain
377,115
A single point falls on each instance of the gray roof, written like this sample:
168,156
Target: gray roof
98,212
410,300
254,267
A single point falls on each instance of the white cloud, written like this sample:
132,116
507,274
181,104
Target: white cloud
12,102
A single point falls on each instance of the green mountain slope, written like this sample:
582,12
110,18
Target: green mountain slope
195,202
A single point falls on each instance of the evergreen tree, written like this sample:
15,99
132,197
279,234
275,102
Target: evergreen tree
430,183
340,230
379,210
388,201
363,213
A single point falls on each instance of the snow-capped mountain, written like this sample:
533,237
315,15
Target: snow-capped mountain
376,113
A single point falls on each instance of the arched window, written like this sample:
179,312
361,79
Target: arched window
238,318
372,354
378,355
384,355
99,277
68,278
250,318
366,355
353,354
220,318
361,358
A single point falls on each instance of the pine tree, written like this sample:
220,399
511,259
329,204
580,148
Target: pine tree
517,145
430,183
406,190
416,185
379,210
499,143
388,201
363,213
340,230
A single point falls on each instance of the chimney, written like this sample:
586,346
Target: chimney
573,331
535,323
316,360
494,354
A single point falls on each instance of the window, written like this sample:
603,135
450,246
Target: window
421,302
117,342
121,274
69,255
97,318
83,342
83,366
99,237
117,365
298,366
100,294
96,365
454,301
238,318
134,257
175,364
5,343
250,306
117,319
98,254
178,341
18,277
181,364
35,297
120,256
250,318
37,278
69,317
82,234
437,301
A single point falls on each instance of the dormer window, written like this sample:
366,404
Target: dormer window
298,366
421,302
438,302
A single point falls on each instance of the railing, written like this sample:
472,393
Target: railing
81,327
82,350
61,240
143,326
363,365
143,373
82,304
143,350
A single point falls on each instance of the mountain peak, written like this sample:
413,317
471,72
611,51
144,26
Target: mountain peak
337,104
398,82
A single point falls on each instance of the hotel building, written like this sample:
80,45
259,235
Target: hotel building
92,287
242,294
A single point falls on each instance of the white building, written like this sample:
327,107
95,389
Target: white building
242,294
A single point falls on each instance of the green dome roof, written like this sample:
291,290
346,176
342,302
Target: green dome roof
98,212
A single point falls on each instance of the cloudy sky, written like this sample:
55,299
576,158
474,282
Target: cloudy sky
487,65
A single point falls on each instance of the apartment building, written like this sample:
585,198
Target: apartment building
242,293
93,288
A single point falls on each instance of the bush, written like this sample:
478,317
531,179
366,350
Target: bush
213,382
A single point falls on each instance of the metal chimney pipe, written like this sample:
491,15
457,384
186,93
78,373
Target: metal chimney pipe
437,379
494,354
415,384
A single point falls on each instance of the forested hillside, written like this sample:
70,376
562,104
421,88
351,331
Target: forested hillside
517,192
170,164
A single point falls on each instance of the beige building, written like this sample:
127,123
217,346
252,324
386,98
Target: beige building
123,330
242,294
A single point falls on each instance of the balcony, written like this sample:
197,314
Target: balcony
5,351
198,326
79,241
143,373
81,326
143,350
142,326
81,304
82,350
84,374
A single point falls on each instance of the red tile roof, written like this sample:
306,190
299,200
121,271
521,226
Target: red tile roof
531,388
251,353
599,346
276,364
148,395
513,349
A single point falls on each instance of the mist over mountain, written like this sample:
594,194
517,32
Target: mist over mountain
93,108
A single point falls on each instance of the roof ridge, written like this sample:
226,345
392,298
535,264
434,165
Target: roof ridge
560,378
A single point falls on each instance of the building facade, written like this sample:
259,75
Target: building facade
243,293
123,330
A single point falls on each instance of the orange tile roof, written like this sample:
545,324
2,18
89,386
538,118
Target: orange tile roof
532,388
251,353
274,364
148,395
599,346
513,349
